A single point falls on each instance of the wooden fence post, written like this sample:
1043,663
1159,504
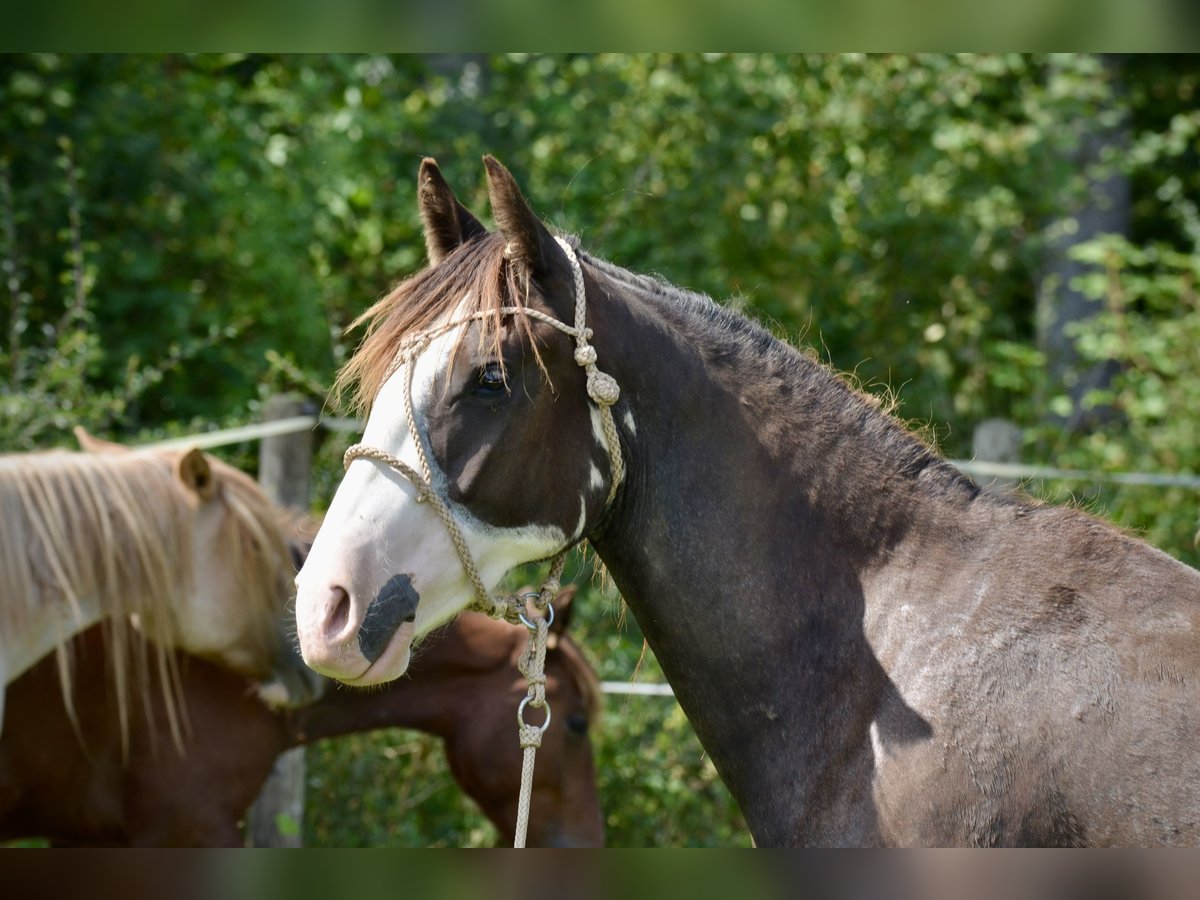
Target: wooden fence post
997,440
285,472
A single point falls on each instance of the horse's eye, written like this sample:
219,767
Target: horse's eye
489,382
577,724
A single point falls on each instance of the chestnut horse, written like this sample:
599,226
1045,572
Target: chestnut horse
871,648
464,688
186,546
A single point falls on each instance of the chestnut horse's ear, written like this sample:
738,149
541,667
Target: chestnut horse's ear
527,240
196,474
91,444
447,222
562,608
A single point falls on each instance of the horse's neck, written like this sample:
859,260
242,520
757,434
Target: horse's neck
43,628
758,450
755,505
429,698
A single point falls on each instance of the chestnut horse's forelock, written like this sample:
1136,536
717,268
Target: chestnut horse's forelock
117,527
582,674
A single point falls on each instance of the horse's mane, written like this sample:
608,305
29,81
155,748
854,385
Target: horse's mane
117,528
582,674
729,333
257,544
476,277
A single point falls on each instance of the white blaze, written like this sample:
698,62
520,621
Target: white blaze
375,528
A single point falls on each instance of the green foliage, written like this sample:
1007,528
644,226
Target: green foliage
1149,321
46,387
387,788
888,207
1150,326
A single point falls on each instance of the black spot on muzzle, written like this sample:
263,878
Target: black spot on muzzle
395,604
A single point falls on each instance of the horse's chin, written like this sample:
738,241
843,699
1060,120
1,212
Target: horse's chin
292,687
389,665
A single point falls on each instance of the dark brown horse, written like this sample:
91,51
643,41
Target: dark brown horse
873,649
464,688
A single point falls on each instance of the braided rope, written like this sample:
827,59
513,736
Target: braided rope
426,493
604,391
532,664
601,387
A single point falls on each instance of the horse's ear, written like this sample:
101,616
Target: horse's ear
562,608
447,222
526,239
91,444
196,474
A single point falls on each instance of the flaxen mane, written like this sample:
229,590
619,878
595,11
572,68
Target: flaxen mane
116,528
256,544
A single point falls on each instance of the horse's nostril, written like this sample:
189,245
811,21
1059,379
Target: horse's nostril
341,612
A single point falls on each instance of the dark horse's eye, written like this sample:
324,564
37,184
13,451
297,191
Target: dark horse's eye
577,723
490,381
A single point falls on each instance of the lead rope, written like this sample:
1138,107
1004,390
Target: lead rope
604,391
532,664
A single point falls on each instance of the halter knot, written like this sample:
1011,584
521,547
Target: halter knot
602,388
550,589
585,356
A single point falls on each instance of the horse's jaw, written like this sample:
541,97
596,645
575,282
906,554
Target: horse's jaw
350,624
383,570
382,574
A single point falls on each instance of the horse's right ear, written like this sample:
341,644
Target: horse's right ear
196,474
527,240
447,222
91,444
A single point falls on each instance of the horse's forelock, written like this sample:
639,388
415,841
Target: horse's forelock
582,674
477,274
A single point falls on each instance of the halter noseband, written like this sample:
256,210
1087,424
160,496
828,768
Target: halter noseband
603,390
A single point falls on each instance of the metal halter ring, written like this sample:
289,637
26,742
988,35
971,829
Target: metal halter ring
521,715
532,626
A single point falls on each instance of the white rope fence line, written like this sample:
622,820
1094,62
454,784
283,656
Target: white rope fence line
209,439
979,468
206,440
636,689
1017,470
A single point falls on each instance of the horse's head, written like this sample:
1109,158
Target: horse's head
235,609
487,449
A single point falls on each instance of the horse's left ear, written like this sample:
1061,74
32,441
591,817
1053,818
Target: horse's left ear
527,240
91,444
447,222
196,474
562,609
